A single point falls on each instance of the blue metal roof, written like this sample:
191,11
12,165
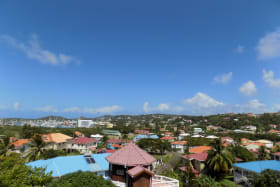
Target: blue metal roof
259,166
68,164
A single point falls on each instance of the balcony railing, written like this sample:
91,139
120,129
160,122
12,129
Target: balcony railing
157,181
163,181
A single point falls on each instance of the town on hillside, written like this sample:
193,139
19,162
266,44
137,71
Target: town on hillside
142,150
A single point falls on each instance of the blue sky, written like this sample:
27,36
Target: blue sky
92,58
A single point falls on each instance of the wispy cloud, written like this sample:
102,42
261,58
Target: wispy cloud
224,78
269,45
240,49
33,50
48,108
103,110
268,77
248,88
16,105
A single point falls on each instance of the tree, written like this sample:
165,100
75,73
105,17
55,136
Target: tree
5,146
205,181
80,178
219,160
188,175
241,152
36,148
267,178
13,173
263,154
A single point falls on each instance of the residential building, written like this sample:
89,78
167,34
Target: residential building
132,166
198,160
183,136
21,145
276,156
96,136
168,138
111,133
179,146
241,171
57,141
197,130
83,144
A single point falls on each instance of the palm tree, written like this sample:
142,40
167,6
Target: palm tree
5,146
219,160
205,181
36,148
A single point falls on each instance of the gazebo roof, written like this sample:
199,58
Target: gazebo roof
130,155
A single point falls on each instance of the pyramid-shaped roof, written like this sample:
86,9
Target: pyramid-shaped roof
130,155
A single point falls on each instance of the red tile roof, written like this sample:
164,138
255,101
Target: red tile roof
77,133
276,154
110,151
193,170
114,141
21,142
134,172
131,155
141,131
197,156
83,140
180,142
200,149
167,138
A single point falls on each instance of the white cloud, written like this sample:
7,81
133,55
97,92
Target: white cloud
269,46
16,105
276,108
252,106
240,49
72,110
159,108
103,110
268,77
33,50
88,110
202,100
248,88
224,78
47,109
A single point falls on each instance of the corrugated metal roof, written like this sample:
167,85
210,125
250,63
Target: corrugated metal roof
68,164
259,166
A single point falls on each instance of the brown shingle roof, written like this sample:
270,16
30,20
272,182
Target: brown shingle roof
134,172
130,155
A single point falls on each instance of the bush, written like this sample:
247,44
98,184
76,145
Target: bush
80,178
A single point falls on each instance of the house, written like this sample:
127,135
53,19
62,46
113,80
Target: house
179,145
83,144
79,134
111,133
57,141
198,160
168,138
200,149
273,126
249,127
21,145
197,130
211,137
183,136
145,136
272,131
96,136
141,131
63,165
131,166
241,171
276,156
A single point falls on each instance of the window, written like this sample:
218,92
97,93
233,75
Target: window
120,172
